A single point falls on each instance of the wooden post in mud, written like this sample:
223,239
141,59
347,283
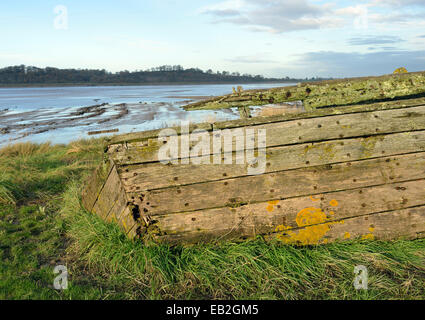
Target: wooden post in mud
244,112
91,133
330,174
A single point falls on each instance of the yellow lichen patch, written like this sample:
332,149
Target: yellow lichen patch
400,70
333,203
313,199
315,226
368,237
271,205
309,235
309,216
347,235
281,228
331,213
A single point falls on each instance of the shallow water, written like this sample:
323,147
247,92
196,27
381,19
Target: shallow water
59,114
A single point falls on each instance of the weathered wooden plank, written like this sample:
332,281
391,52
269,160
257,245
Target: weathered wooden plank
406,223
109,197
109,194
95,184
399,224
156,175
119,203
91,133
265,217
323,93
284,184
322,112
115,198
294,132
127,222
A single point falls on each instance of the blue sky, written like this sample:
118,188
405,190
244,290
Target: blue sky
296,38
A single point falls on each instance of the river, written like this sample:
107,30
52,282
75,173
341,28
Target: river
65,114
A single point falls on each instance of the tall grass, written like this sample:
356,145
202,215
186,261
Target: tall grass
24,149
6,194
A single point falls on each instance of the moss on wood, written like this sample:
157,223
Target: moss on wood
325,93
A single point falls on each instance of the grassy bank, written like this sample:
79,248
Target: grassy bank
43,225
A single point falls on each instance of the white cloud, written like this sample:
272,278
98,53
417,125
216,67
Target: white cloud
226,8
398,3
275,16
279,16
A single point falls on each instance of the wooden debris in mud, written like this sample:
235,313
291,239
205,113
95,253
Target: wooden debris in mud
323,93
90,133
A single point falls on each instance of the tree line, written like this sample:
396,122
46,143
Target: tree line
29,75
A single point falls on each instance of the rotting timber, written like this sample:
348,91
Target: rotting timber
351,166
325,93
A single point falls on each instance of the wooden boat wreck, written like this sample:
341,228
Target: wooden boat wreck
351,165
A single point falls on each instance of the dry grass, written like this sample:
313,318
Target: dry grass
84,146
24,149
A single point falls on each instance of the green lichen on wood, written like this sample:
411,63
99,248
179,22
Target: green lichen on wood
368,145
326,151
325,93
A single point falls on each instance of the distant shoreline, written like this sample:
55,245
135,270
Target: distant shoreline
55,85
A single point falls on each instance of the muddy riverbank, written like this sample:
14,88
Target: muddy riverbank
61,115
